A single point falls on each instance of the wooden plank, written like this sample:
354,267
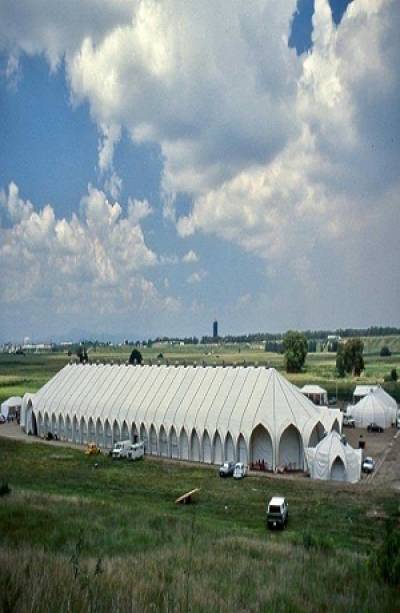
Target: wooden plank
186,498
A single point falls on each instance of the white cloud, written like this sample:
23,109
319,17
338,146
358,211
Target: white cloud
197,277
190,257
97,260
293,159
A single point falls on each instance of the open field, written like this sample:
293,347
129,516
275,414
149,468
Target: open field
19,374
76,537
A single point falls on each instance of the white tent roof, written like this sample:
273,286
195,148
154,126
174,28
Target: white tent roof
332,459
385,398
313,389
372,408
363,390
223,399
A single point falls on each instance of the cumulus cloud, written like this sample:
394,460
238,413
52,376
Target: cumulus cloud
197,277
190,257
95,260
294,159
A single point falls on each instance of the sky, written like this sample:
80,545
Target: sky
166,163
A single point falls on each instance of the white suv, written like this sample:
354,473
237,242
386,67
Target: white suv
277,512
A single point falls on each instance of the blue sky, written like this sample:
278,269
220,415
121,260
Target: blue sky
165,164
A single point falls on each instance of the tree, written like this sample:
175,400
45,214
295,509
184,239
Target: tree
349,357
135,357
82,354
393,374
295,347
385,352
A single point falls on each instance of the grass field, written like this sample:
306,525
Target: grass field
19,374
77,538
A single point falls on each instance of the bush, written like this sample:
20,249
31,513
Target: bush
385,352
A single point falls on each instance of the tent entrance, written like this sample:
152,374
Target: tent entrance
338,471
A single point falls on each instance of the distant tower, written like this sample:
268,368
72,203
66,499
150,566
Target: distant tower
215,330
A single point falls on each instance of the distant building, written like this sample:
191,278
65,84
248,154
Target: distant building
215,329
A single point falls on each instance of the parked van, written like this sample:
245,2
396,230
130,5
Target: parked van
240,470
120,449
136,451
277,512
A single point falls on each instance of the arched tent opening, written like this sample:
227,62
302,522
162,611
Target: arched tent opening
34,427
68,428
41,424
75,430
194,446
207,457
338,471
125,432
83,428
99,433
184,445
217,451
173,443
143,437
335,426
229,448
134,433
163,442
107,434
46,425
54,425
242,449
291,449
61,427
91,431
316,435
261,451
153,440
116,432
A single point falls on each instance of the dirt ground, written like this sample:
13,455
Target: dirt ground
383,447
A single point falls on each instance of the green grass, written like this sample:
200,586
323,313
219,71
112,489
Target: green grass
76,537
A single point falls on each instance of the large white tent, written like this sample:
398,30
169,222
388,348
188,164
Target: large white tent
373,408
199,413
334,459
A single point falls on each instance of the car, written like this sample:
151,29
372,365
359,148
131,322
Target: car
240,470
227,469
368,466
121,449
373,427
277,513
349,421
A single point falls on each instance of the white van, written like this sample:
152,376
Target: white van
136,451
240,470
121,449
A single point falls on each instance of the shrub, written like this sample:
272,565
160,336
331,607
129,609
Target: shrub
385,352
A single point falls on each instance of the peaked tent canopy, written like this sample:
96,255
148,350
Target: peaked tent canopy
373,409
198,413
333,459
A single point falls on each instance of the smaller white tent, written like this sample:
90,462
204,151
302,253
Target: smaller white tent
11,406
318,395
372,408
334,459
386,399
363,390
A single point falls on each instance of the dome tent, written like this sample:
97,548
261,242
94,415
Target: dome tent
372,408
199,413
334,459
